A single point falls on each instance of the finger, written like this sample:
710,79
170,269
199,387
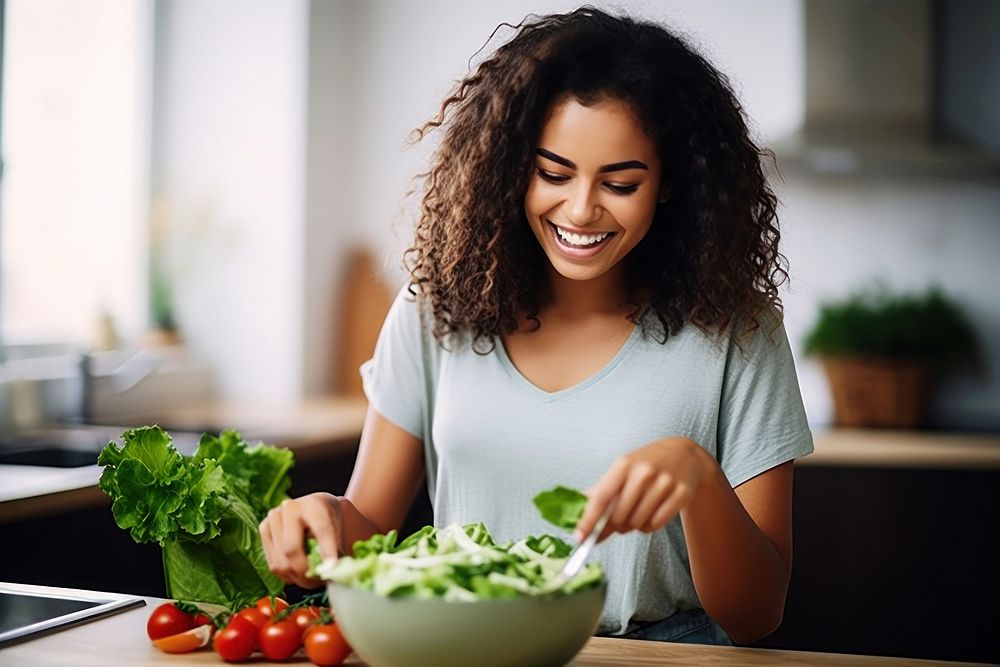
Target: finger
293,547
275,556
600,496
265,538
636,486
657,493
677,501
322,524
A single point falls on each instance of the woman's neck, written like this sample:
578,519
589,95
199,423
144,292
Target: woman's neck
576,299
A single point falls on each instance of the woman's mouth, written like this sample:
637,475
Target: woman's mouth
579,245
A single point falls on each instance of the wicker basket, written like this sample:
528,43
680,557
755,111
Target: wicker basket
877,392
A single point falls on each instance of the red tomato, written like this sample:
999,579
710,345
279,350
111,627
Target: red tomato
167,620
254,615
202,619
325,645
278,640
304,616
269,605
236,641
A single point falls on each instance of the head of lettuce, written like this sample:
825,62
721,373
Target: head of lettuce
202,509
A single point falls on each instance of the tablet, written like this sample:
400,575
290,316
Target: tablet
28,611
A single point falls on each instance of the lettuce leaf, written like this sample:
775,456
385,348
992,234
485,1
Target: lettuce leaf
561,506
203,510
259,473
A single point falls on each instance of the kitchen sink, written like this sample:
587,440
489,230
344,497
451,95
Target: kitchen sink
71,446
51,457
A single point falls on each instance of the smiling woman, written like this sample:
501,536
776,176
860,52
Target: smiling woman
593,303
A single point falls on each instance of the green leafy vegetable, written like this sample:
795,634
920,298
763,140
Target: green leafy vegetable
463,564
561,506
203,509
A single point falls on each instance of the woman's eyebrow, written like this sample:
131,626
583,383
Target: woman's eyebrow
617,166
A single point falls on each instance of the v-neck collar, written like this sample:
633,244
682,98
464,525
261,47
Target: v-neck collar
550,396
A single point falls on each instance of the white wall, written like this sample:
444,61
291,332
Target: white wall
332,206
229,177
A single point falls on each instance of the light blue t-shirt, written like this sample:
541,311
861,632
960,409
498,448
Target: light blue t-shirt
492,440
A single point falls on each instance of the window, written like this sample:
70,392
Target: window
74,132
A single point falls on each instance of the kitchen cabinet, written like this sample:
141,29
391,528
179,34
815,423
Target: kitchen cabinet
894,561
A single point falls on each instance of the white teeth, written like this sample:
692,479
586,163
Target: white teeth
581,239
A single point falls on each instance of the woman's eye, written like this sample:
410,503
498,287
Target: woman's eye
623,189
552,178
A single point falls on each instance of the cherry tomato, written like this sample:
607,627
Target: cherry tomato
325,645
269,605
202,619
254,615
167,620
236,641
304,616
278,640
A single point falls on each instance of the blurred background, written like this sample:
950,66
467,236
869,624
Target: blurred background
202,218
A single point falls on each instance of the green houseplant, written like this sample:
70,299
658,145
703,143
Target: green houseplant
882,350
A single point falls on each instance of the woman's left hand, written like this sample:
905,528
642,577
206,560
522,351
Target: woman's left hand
649,487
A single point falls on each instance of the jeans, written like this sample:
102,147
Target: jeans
690,626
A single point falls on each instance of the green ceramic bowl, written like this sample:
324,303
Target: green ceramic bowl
518,632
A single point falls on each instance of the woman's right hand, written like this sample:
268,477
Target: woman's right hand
283,533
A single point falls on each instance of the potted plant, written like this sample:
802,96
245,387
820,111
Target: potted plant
882,351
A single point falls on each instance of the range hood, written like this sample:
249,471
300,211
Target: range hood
899,88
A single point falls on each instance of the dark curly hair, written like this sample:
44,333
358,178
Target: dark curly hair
710,257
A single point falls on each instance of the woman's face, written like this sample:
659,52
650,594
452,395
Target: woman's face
595,187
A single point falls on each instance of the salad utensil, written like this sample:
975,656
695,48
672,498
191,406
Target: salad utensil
578,556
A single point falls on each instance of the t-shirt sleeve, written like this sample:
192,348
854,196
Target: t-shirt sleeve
394,378
762,422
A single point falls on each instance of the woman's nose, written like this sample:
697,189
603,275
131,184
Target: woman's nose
583,208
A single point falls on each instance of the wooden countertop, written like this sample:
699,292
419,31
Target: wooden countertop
333,425
121,641
903,449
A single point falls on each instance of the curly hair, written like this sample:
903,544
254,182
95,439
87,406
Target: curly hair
710,257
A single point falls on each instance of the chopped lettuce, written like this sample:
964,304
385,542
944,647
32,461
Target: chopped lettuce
203,509
463,563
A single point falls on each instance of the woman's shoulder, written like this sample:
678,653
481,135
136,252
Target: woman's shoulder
765,330
413,313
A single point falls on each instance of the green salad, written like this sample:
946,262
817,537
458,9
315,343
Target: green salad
464,563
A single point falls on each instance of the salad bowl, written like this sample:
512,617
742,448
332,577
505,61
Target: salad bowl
454,597
528,631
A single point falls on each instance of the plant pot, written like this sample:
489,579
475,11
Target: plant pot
877,392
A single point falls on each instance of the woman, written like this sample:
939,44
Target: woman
594,303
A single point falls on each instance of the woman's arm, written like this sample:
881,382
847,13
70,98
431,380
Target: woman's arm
386,477
738,540
739,543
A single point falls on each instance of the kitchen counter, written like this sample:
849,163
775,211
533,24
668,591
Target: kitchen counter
121,640
320,427
880,448
332,426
